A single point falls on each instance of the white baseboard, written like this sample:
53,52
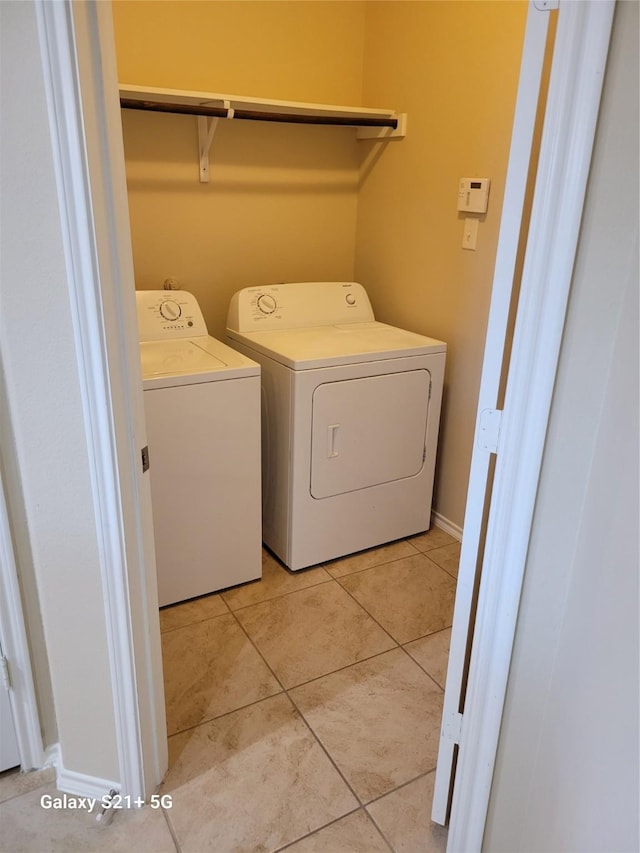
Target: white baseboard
448,526
72,782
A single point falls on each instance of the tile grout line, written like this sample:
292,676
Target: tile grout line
361,808
172,830
280,595
378,799
316,737
428,674
373,566
370,615
248,704
196,622
286,690
331,577
283,687
261,656
301,715
455,577
398,642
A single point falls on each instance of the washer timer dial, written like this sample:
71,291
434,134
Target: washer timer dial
170,310
266,303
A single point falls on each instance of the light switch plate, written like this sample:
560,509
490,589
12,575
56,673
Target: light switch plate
470,236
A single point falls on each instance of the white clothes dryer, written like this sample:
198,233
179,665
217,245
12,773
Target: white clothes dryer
202,407
351,411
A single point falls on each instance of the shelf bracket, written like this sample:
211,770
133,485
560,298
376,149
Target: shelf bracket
206,132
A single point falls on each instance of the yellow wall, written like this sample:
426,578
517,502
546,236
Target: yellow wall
306,51
281,202
453,67
287,203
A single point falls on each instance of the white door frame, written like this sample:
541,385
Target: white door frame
580,53
96,224
81,91
487,417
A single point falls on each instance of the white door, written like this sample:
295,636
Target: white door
474,703
488,418
9,754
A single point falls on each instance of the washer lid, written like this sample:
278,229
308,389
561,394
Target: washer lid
189,361
327,346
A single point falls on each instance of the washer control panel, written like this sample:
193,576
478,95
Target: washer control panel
166,315
298,304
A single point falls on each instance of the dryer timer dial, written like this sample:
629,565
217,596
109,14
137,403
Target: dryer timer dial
266,303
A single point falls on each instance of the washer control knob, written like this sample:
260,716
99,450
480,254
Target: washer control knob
266,303
350,299
170,310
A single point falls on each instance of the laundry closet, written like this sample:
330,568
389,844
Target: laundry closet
266,203
302,203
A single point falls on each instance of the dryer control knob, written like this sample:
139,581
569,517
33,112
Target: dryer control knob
350,299
170,310
267,304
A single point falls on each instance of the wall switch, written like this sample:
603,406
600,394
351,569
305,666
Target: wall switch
470,236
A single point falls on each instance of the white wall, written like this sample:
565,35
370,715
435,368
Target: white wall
43,443
566,777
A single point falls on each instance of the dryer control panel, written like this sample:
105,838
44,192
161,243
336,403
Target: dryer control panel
166,315
297,305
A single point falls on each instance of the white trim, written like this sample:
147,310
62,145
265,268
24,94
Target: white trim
13,636
76,783
449,527
580,53
78,231
82,785
95,257
501,297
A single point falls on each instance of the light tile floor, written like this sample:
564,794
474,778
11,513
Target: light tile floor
303,714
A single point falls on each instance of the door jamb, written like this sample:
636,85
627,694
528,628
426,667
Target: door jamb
81,89
527,101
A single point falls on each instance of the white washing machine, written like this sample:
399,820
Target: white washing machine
202,407
351,411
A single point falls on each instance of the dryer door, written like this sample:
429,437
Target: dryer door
368,431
